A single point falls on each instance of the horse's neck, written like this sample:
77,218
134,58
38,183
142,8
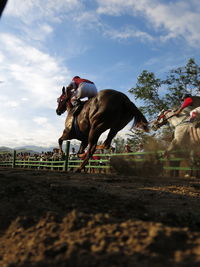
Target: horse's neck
176,120
69,107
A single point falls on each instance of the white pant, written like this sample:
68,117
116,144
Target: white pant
84,90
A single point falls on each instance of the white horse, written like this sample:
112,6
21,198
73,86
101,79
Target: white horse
186,133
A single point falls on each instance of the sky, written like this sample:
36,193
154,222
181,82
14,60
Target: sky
44,43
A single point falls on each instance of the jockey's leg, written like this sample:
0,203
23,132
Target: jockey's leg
86,90
76,102
78,105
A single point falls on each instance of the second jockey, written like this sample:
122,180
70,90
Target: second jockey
191,104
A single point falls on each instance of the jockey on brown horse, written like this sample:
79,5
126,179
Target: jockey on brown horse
109,109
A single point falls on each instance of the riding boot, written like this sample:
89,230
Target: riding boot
77,107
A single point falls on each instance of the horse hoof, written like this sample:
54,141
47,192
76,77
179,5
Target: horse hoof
100,147
81,155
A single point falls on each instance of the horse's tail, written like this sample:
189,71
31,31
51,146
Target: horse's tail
139,118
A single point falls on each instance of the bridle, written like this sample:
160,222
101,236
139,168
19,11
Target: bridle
62,104
61,99
163,116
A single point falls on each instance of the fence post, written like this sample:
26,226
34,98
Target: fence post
66,156
14,158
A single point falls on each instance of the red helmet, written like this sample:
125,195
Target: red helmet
76,77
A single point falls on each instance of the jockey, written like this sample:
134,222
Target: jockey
81,88
192,103
187,101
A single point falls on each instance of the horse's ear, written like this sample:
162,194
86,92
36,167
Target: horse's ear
63,90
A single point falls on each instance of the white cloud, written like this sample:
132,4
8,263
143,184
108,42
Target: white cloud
177,18
128,33
32,10
20,132
24,99
39,32
40,120
168,20
32,79
36,74
12,104
115,7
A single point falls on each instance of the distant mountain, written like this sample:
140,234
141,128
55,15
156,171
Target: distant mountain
35,149
5,149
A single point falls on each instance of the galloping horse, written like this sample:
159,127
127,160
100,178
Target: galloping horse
110,109
186,133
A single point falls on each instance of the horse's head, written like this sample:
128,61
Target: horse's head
63,100
142,125
162,119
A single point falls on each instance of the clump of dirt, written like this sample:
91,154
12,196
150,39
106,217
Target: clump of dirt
62,219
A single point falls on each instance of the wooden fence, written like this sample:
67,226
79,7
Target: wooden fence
172,167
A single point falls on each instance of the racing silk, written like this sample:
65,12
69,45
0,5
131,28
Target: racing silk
77,81
190,103
187,102
81,88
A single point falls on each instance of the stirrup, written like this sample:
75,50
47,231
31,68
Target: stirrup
77,102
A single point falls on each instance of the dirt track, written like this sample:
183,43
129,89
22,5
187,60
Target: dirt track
58,219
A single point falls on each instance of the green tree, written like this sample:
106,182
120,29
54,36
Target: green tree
119,144
157,94
136,138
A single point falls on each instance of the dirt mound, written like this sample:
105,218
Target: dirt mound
58,219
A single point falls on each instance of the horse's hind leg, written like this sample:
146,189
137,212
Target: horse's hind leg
111,135
109,138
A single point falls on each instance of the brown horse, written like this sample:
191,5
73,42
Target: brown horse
110,109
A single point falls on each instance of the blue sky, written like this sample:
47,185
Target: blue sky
44,43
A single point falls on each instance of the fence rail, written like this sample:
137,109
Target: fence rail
102,164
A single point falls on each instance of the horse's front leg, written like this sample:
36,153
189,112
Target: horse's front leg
87,156
94,135
65,136
82,147
173,145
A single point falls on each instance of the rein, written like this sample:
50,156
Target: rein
166,120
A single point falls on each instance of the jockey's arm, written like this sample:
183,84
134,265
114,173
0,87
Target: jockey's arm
178,111
72,85
188,102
